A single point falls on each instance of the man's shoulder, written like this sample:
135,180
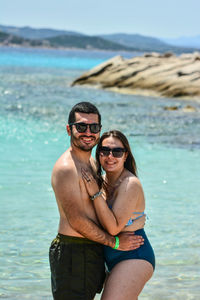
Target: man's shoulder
64,167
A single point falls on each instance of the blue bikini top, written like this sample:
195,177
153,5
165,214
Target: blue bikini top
131,220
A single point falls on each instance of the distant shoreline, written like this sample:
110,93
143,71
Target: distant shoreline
66,48
49,37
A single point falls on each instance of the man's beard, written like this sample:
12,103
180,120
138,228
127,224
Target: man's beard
75,142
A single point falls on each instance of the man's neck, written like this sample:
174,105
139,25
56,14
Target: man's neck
81,155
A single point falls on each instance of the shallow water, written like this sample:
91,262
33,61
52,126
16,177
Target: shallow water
35,98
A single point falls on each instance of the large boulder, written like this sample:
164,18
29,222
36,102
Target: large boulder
154,74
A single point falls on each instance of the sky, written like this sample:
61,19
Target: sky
156,18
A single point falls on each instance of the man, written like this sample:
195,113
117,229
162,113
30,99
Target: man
76,255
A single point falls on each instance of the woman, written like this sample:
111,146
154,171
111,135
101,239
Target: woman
118,203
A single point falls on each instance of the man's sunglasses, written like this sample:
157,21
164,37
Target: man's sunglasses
82,127
116,152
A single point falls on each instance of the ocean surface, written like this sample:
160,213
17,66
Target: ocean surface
35,99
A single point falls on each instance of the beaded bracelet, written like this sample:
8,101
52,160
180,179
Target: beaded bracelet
95,195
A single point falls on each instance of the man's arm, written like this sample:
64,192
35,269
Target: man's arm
65,183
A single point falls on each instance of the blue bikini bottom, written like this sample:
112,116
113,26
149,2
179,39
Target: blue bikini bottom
145,252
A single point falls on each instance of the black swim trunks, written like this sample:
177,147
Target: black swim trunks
77,268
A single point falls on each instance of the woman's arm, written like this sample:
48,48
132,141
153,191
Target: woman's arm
129,193
137,224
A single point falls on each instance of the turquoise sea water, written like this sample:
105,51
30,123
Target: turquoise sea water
35,98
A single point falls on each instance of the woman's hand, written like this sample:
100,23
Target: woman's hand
90,183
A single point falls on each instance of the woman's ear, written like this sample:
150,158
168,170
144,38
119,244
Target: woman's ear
126,155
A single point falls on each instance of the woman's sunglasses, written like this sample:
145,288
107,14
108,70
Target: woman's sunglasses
116,152
82,127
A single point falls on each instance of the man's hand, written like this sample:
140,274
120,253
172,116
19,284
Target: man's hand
129,241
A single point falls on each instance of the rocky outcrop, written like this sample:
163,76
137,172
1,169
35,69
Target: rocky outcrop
152,74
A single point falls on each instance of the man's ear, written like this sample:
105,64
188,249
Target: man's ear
68,129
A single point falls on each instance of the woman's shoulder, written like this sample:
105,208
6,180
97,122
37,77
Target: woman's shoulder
131,181
131,177
130,189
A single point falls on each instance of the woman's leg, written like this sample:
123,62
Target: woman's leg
127,280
